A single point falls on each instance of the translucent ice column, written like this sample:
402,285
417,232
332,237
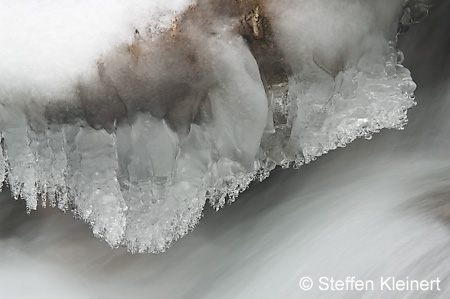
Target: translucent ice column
159,109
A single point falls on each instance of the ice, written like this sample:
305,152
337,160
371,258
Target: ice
91,176
238,103
158,109
20,160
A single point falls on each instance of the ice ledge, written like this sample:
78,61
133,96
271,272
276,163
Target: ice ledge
141,179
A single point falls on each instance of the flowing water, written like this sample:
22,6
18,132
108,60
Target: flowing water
378,208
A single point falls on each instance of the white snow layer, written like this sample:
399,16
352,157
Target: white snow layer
135,144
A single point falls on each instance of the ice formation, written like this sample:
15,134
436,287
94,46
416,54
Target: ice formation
135,115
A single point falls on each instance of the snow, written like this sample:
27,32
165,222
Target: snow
136,131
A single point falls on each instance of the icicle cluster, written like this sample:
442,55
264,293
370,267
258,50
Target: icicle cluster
121,154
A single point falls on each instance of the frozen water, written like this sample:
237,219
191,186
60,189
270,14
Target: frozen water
161,108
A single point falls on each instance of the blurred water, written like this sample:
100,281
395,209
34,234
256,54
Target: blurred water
376,208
